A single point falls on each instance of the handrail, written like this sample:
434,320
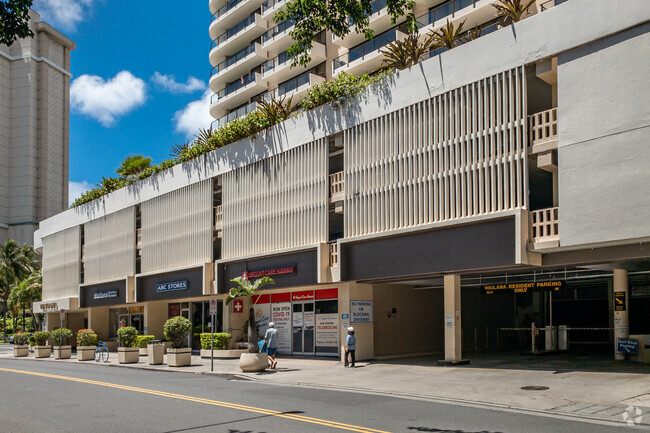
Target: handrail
545,223
336,183
543,125
334,254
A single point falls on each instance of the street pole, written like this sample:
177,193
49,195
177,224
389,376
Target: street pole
212,345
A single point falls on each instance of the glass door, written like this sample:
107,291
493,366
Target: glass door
296,320
303,328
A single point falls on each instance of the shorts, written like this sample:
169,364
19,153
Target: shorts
271,350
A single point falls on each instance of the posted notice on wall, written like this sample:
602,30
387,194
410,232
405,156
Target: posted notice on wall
327,330
281,316
361,311
263,317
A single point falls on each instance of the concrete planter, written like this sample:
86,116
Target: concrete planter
250,362
21,350
85,353
62,352
179,357
143,351
128,355
42,351
232,354
156,353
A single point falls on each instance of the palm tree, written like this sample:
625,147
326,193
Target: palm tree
25,293
247,289
448,36
177,149
407,52
133,165
512,10
276,110
16,263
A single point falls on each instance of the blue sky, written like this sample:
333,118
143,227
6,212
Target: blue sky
140,74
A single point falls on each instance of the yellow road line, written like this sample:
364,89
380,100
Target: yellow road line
236,406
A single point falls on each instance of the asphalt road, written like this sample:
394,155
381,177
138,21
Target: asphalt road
49,397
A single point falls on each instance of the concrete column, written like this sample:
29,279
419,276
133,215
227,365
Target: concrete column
621,318
453,344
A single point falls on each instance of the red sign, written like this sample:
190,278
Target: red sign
302,296
283,270
238,306
327,294
280,297
261,299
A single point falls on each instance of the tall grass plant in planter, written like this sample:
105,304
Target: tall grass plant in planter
86,344
176,331
128,352
60,337
20,344
39,343
253,360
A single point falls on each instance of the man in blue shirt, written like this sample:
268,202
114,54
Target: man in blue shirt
350,347
271,340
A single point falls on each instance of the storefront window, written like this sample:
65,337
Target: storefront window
327,327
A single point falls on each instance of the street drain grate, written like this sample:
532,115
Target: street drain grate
534,388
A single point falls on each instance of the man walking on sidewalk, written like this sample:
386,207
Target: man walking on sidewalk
271,340
350,347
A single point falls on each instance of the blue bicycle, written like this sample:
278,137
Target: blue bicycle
101,352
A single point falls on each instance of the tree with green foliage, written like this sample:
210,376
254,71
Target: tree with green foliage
16,263
133,165
247,289
23,295
14,21
341,17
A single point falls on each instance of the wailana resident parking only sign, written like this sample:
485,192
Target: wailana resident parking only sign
360,311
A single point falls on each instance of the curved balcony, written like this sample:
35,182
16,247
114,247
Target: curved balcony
279,68
237,38
237,65
230,14
237,93
296,87
277,39
242,111
380,21
456,11
270,7
366,57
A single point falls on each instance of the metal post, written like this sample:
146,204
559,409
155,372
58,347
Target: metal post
61,334
212,346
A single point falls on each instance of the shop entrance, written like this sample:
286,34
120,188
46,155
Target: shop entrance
121,317
303,328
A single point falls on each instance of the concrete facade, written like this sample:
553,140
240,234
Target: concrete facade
34,136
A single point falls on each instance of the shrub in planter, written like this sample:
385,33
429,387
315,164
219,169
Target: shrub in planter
39,341
20,344
128,353
60,339
176,331
142,341
86,343
220,340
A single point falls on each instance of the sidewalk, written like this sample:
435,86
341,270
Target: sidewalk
598,390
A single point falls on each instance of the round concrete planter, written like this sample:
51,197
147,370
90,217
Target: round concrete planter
223,354
85,353
62,352
179,357
42,351
21,350
250,362
128,355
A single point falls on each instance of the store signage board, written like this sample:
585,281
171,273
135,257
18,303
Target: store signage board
269,272
619,301
538,286
238,306
361,311
171,286
327,330
281,316
627,345
105,294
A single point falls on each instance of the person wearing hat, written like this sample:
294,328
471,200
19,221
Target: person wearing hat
271,341
350,347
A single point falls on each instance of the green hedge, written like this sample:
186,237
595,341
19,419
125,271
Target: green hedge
143,340
220,340
58,333
87,337
127,336
39,338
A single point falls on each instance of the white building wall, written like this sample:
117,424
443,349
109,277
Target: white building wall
277,203
177,228
62,264
459,154
109,246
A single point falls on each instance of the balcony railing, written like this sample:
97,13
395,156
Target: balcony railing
294,83
236,85
242,111
235,58
218,217
284,25
138,240
551,3
336,186
364,49
443,11
543,126
275,62
545,224
375,7
233,31
224,10
334,254
270,4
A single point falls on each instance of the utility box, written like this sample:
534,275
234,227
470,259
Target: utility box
562,338
551,337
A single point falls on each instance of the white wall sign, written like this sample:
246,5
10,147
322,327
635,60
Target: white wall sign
281,315
262,317
327,330
449,321
361,311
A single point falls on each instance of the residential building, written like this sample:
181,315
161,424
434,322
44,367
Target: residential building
34,118
496,185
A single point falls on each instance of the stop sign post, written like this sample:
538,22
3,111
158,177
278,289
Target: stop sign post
213,312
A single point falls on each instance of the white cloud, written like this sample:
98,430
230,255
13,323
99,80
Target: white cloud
194,116
63,14
105,100
169,83
75,189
